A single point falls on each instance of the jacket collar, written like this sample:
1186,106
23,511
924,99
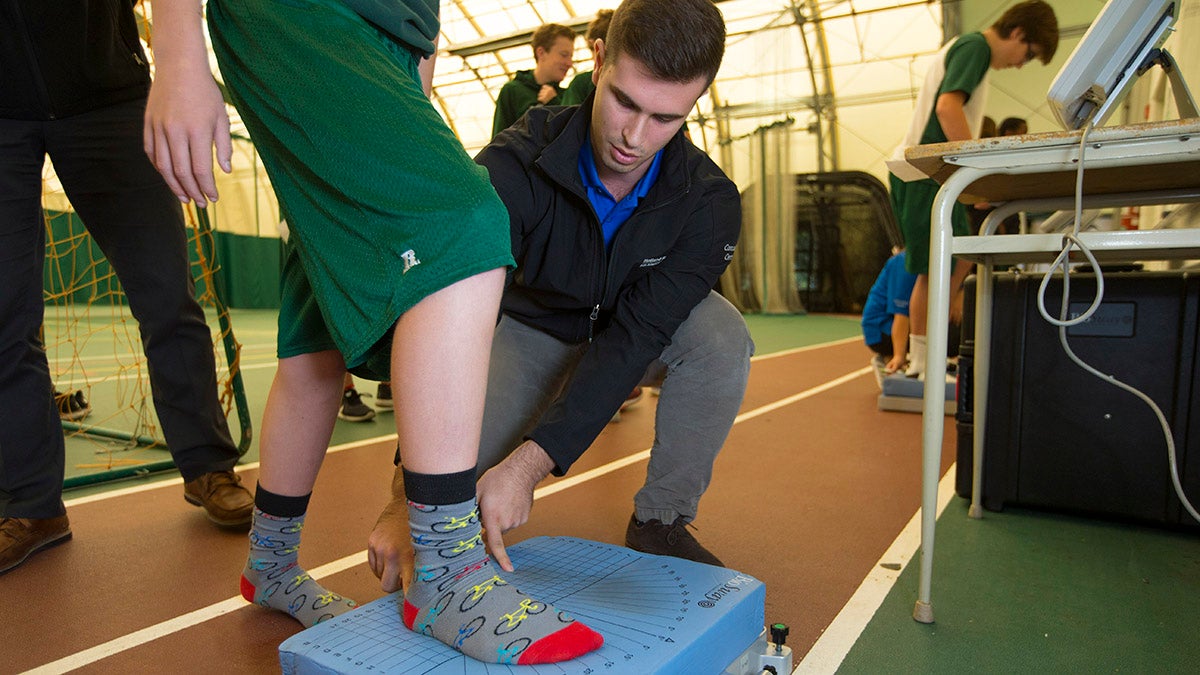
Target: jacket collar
559,158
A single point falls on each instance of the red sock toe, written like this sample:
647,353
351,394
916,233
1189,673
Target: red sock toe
247,589
410,614
570,642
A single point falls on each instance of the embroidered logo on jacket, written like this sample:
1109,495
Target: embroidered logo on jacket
651,262
410,260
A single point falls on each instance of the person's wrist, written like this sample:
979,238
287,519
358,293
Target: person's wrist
533,462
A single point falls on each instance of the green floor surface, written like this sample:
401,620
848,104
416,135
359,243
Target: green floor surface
1030,592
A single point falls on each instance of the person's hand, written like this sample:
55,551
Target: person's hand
895,364
185,118
956,307
546,94
505,495
389,548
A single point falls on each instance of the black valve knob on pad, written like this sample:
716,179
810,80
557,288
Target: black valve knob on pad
779,633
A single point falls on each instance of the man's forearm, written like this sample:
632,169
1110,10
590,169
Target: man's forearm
532,461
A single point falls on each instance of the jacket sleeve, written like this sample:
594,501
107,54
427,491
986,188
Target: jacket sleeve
510,177
644,320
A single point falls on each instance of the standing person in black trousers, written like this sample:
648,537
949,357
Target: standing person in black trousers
74,87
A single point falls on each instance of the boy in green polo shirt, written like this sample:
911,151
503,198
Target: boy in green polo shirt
949,107
554,54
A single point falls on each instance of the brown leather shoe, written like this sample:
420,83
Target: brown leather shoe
221,494
22,537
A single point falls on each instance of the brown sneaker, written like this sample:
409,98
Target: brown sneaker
22,537
221,494
658,538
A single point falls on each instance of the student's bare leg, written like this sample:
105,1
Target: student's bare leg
440,354
297,424
298,421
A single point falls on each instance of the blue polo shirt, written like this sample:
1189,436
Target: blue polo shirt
888,297
612,214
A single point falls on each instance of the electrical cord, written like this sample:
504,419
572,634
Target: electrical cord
1062,322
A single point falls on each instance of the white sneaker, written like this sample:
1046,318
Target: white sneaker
877,366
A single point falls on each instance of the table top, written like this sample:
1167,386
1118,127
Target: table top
1119,159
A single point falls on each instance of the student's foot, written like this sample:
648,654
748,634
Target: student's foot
72,406
272,577
457,597
22,537
353,409
673,539
383,396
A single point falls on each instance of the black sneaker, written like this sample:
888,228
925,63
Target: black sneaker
72,407
383,396
674,540
353,409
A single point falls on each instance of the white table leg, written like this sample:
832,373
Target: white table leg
933,421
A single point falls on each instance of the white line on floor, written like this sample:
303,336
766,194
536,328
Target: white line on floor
151,633
797,350
177,480
830,650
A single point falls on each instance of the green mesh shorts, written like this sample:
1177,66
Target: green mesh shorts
912,204
383,204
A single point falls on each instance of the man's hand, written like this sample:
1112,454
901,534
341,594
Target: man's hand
546,94
185,118
506,495
389,548
895,364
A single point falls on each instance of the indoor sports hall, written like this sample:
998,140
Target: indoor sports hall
1017,494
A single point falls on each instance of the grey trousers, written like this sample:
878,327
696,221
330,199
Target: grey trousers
702,373
138,223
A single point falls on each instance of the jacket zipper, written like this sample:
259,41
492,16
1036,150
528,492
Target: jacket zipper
605,258
592,322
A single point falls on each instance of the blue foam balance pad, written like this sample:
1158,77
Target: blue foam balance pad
906,394
657,615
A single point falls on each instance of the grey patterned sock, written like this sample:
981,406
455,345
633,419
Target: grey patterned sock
457,597
272,578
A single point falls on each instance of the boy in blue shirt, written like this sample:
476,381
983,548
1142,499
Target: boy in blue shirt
885,315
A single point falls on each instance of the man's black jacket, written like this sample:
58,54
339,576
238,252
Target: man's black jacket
663,261
65,57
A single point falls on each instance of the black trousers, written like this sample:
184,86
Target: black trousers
138,224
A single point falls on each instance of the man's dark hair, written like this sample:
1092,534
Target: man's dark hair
1010,125
1037,19
547,34
598,28
677,40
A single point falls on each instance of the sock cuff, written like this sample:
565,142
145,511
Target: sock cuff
439,488
280,505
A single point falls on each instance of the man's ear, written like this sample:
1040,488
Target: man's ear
598,52
538,53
